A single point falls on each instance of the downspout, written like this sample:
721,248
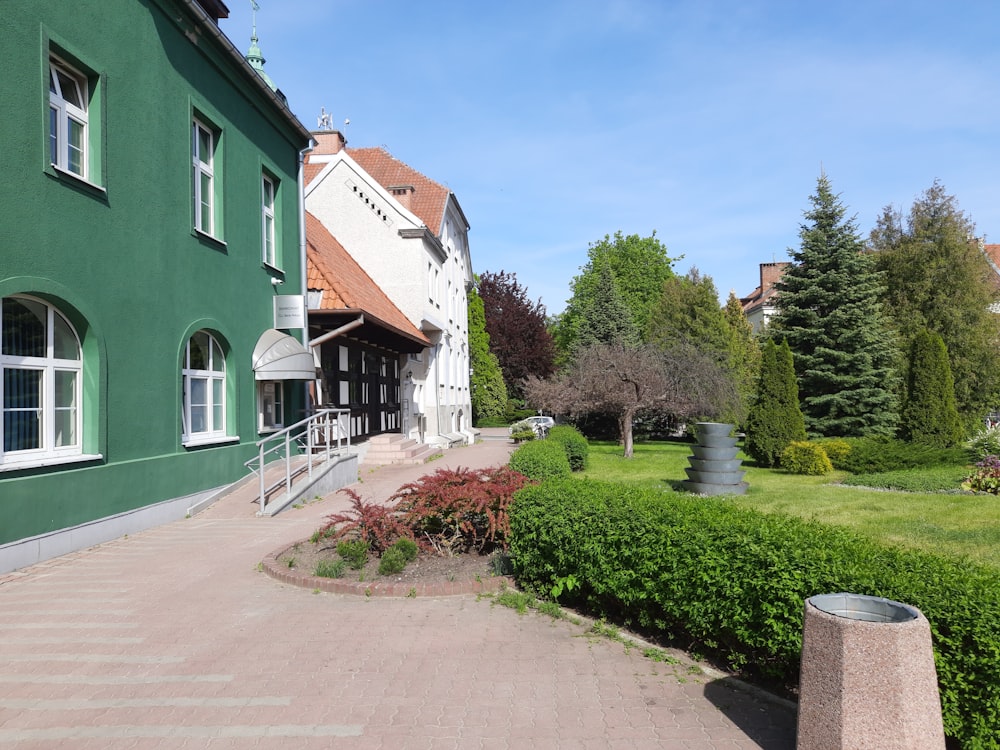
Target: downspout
303,262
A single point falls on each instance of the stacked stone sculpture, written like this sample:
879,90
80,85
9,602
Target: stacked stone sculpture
714,469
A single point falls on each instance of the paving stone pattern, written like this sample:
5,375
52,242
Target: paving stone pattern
173,638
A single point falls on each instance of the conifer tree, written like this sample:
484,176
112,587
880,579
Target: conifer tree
937,278
489,394
774,420
744,350
929,415
604,318
688,312
830,313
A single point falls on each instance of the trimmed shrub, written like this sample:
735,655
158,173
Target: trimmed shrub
522,436
836,449
540,459
875,455
805,457
574,443
407,548
732,582
985,443
393,561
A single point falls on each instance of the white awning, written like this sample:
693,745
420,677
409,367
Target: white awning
278,356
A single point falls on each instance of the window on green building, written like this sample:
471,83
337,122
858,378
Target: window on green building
68,105
203,379
204,161
40,388
269,189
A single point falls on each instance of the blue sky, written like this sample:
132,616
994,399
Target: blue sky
557,122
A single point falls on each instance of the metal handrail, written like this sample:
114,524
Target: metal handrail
321,430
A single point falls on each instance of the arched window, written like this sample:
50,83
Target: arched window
40,388
203,376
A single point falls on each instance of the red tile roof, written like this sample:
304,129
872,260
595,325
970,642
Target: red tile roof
345,284
428,200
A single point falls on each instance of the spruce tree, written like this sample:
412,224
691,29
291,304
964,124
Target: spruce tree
604,318
929,415
774,420
829,312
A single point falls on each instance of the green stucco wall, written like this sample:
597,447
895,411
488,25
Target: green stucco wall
124,263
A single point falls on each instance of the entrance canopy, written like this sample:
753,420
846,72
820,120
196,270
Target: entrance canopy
278,356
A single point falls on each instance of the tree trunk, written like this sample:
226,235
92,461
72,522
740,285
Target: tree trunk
625,427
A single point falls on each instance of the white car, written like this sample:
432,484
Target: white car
539,424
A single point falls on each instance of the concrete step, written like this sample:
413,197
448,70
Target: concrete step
397,449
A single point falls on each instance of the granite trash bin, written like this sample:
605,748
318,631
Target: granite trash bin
868,680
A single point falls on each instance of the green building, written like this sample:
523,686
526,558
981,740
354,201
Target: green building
150,242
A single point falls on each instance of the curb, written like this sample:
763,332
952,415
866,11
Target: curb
292,577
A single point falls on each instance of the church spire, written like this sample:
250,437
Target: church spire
254,56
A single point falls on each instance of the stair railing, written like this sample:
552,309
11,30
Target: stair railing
317,438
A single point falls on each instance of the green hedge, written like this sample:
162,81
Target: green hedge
540,459
733,582
574,443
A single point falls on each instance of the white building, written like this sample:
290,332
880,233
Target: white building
410,236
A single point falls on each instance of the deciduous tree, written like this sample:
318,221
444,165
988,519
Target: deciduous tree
623,380
830,313
519,336
639,266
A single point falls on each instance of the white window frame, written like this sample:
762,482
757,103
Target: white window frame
52,445
203,177
64,114
212,382
270,400
269,238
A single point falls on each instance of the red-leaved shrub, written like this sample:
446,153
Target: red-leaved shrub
379,525
460,510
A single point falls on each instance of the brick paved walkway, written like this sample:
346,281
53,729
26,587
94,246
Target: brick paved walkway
173,638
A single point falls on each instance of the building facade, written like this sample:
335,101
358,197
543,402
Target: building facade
761,304
410,236
153,234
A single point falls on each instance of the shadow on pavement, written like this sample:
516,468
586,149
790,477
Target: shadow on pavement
770,722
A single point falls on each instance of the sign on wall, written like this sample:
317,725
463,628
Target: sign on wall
289,311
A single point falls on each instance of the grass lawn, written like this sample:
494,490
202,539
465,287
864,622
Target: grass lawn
958,524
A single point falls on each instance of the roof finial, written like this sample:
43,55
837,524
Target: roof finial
254,57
